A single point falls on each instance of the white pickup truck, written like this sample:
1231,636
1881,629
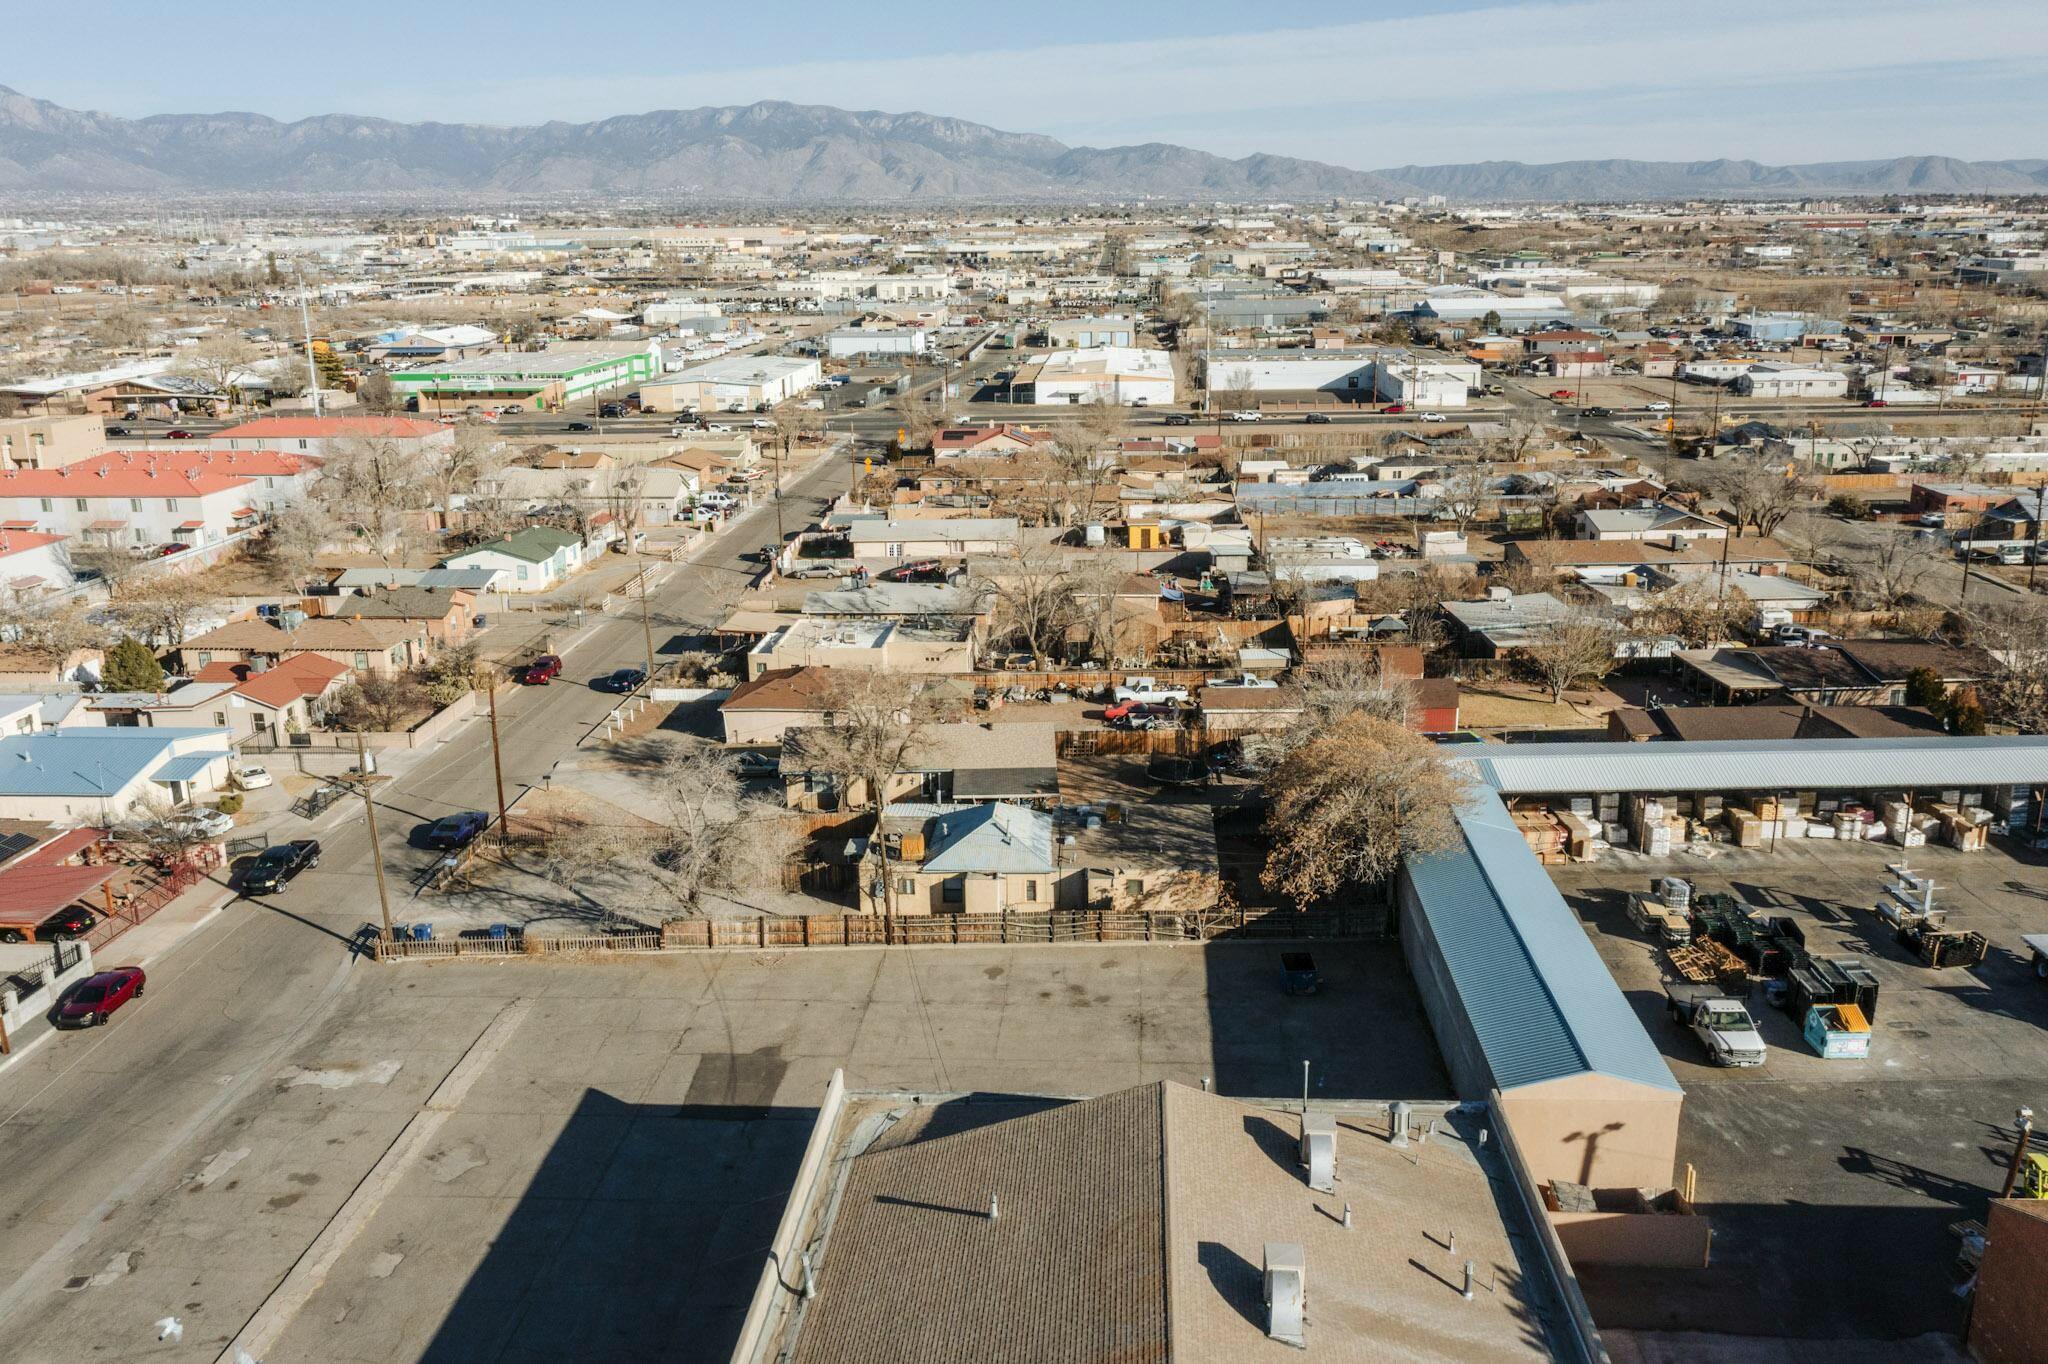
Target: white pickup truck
1149,689
1242,682
1721,1022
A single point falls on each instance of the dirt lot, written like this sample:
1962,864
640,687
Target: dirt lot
1831,1184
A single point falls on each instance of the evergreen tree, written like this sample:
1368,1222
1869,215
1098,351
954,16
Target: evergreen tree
130,666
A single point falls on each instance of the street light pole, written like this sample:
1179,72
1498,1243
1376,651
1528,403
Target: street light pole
370,813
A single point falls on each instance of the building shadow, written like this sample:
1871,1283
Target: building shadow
641,1235
1363,1033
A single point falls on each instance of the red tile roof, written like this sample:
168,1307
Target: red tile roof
16,541
152,473
296,676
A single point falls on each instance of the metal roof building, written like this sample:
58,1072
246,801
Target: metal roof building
1926,763
1521,1003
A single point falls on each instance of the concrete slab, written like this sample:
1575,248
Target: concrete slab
1831,1184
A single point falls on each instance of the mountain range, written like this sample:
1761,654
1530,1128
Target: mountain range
780,152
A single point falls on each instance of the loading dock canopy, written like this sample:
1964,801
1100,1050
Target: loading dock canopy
1925,763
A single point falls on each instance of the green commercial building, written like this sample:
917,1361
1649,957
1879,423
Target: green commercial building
539,380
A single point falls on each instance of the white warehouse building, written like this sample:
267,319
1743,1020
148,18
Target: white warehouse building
852,342
732,384
1111,374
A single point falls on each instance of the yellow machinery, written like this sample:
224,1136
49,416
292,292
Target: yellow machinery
2033,1180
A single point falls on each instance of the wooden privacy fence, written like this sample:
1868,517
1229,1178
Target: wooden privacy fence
1061,926
406,949
873,930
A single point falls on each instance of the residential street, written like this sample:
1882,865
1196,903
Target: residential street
101,1128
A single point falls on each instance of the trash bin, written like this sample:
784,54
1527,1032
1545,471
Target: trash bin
422,932
500,932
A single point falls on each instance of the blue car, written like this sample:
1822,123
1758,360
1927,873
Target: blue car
456,831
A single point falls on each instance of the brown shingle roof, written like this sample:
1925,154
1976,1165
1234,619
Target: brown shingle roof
783,689
1072,1269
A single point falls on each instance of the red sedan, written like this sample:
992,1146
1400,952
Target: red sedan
93,1000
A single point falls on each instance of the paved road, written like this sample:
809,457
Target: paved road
97,1126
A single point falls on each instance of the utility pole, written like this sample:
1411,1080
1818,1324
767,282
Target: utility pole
646,629
490,682
2023,1125
365,782
2040,542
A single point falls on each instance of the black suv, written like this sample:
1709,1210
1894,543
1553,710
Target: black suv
279,863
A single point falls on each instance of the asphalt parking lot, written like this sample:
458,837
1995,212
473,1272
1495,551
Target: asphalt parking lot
602,1183
1832,1184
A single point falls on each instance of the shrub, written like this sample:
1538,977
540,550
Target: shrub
230,804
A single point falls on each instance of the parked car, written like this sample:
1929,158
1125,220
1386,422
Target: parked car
718,428
177,433
1876,402
1141,715
579,426
72,921
119,431
1246,415
1178,419
98,997
542,671
1316,419
755,764
201,824
456,831
1394,409
621,679
1658,406
1599,411
250,777
166,551
1150,689
278,864
1560,395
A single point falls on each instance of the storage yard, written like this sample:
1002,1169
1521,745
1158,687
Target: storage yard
1807,1214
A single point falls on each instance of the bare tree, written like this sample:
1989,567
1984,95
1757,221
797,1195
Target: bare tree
377,394
217,361
295,538
2017,637
158,608
1755,493
877,724
1339,687
1465,495
1696,614
1353,801
372,488
1887,568
1235,392
1098,603
1031,599
376,701
1572,652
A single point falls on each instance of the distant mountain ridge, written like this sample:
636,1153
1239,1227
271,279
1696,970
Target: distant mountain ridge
779,152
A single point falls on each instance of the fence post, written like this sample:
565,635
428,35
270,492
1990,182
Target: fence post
761,928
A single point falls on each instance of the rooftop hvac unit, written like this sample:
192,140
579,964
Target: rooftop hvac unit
1319,1150
1286,1292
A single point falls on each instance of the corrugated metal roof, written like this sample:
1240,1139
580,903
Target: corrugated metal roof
1541,1003
186,766
86,762
1763,764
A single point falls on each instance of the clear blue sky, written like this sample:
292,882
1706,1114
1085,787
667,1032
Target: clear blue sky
1365,84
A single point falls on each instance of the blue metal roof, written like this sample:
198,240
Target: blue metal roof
186,766
991,838
86,762
1914,763
1540,1002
